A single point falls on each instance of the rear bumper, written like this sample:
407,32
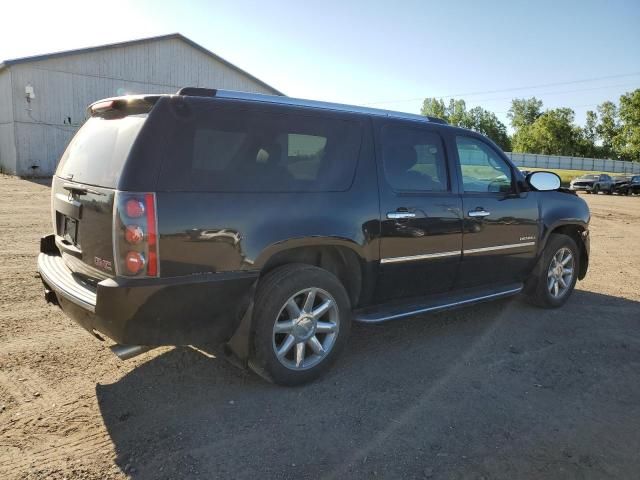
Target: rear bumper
160,311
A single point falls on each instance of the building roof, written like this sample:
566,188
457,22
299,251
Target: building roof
8,63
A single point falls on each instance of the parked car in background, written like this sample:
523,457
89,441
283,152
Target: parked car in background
267,224
627,185
634,186
593,183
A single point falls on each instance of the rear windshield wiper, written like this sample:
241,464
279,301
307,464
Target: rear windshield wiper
80,189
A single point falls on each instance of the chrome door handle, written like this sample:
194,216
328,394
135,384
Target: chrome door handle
479,213
396,215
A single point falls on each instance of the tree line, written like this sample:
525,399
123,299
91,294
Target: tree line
611,131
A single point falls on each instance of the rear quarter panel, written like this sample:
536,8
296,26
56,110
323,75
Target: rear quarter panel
222,232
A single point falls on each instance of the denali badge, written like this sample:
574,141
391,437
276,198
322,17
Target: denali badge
103,264
527,237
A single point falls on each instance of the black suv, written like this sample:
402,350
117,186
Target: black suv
267,224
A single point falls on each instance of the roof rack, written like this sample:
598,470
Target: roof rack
282,100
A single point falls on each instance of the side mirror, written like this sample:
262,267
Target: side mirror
544,181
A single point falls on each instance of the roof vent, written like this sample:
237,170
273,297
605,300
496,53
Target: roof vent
197,92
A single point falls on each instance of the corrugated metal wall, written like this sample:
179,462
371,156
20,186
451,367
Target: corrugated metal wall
65,85
7,141
573,163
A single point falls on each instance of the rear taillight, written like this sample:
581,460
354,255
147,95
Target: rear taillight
134,208
135,230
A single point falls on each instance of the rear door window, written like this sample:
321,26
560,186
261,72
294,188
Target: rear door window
97,153
413,159
236,149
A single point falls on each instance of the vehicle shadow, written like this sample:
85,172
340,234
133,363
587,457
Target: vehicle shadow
497,390
44,181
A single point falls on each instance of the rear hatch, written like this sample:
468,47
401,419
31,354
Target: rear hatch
84,187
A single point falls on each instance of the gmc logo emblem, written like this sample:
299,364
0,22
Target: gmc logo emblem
103,264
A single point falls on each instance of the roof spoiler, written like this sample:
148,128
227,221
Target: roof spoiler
197,92
121,106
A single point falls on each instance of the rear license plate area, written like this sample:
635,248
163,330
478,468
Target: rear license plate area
70,229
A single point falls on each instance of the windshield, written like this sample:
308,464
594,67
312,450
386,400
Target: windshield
98,151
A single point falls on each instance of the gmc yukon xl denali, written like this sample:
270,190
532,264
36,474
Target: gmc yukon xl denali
267,224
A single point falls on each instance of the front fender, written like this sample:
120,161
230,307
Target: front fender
557,210
566,213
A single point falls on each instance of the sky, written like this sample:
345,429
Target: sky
389,55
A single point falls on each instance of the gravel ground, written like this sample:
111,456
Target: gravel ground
501,390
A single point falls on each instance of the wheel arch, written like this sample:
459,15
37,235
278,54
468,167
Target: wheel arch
578,231
344,258
337,258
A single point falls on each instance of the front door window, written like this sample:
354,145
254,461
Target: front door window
482,168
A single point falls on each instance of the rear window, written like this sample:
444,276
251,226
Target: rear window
98,151
218,148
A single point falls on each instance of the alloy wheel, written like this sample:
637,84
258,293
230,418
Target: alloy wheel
560,273
306,329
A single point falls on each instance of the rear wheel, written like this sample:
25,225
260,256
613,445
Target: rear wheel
558,272
302,318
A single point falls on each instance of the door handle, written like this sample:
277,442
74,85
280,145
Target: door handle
479,213
397,215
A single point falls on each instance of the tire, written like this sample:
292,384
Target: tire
278,295
610,191
596,189
543,295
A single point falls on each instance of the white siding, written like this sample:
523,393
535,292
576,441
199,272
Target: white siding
6,106
7,141
64,86
7,149
40,146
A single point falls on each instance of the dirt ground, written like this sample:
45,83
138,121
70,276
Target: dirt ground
501,390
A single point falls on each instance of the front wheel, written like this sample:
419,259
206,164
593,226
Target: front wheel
302,318
558,272
596,189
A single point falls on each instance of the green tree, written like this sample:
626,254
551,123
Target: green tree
524,111
590,127
432,107
628,139
457,114
552,133
608,128
487,123
478,119
590,136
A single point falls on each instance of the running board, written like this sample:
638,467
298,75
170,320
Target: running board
395,311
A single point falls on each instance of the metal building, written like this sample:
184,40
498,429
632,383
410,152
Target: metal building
43,99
